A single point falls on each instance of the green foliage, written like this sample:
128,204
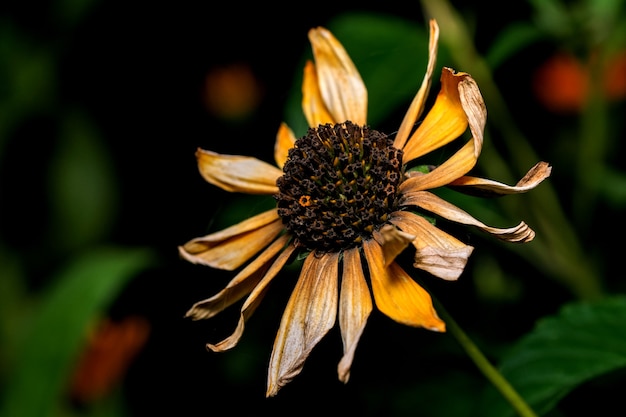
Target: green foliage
77,297
510,41
582,342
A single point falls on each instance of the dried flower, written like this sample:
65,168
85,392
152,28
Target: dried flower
348,197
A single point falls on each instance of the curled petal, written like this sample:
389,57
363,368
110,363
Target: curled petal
235,173
253,301
437,252
465,158
285,140
393,241
428,201
476,111
488,188
231,247
313,105
340,83
239,286
309,315
417,105
397,295
355,306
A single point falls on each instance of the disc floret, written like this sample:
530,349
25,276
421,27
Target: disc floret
339,184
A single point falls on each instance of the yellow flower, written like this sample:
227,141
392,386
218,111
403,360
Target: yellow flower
346,197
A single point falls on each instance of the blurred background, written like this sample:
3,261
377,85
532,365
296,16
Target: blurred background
102,106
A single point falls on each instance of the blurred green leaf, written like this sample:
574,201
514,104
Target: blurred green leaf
82,185
612,185
391,55
80,293
514,37
552,16
584,341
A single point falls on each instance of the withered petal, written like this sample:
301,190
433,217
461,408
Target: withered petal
397,295
235,173
393,241
436,251
309,315
340,83
253,301
417,105
489,188
443,123
465,158
240,285
428,201
232,247
355,306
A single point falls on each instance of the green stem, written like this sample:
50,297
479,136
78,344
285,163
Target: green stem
483,364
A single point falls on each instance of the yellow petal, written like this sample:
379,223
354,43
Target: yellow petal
489,188
285,140
253,301
309,315
231,247
236,173
397,295
465,158
520,234
444,174
445,121
436,252
355,306
417,105
340,83
393,241
313,106
239,286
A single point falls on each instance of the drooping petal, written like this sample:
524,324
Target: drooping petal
428,201
313,105
393,241
488,188
240,285
309,315
235,173
285,140
417,105
465,158
355,306
340,83
397,295
231,247
436,252
253,301
443,123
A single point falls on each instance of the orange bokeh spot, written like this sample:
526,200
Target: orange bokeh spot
561,83
232,92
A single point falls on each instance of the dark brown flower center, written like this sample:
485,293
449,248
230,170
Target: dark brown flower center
339,185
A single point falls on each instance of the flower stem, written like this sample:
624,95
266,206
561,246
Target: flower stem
489,371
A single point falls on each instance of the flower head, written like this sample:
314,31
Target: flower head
348,199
